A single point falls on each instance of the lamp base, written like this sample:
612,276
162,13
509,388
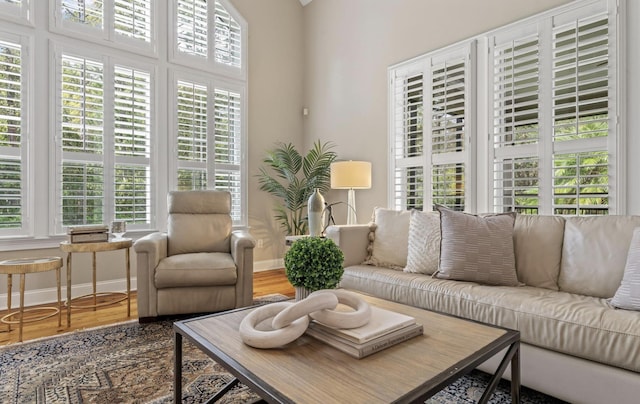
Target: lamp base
351,207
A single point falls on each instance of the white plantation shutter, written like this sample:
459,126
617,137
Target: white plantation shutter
192,132
407,91
132,131
12,172
449,91
82,136
516,120
582,79
227,139
132,18
192,27
430,155
228,38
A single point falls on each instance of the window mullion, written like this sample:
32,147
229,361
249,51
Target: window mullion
545,138
109,142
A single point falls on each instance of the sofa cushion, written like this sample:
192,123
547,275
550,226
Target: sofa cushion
594,254
196,269
424,242
389,238
477,248
537,242
628,294
559,321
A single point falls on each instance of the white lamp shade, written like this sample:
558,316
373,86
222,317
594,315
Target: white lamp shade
351,175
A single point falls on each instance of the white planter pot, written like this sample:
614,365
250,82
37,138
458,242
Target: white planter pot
301,292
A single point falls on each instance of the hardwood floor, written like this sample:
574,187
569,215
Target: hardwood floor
264,283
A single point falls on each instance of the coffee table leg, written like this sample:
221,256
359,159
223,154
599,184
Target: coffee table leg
9,284
128,282
22,276
509,357
515,375
177,368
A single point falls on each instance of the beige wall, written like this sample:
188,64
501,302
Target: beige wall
275,102
348,47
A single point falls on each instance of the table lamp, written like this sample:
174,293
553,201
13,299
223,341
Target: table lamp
351,175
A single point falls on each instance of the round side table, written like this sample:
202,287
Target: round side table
23,266
111,245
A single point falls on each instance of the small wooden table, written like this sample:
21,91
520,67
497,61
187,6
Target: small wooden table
111,245
310,371
23,266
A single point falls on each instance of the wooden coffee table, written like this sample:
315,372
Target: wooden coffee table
309,371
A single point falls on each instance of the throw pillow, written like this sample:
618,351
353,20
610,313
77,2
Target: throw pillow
628,294
477,248
389,238
424,242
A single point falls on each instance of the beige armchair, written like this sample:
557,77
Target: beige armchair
199,265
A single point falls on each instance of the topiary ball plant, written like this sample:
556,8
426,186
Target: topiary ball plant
314,263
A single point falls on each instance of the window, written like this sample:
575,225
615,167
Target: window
209,150
120,23
12,137
17,10
209,35
552,85
106,151
431,151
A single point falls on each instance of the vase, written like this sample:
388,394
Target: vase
301,293
315,209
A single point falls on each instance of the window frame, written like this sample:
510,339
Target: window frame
21,13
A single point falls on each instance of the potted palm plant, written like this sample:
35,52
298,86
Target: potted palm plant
292,178
313,263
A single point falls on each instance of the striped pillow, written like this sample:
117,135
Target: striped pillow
628,294
477,248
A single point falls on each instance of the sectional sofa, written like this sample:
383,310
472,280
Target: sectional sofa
553,278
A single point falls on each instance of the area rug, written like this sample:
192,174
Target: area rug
133,363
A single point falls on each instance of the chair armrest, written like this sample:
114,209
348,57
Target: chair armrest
150,249
353,240
242,245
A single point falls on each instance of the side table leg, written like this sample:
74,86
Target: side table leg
177,368
22,276
127,253
68,290
9,284
59,297
95,298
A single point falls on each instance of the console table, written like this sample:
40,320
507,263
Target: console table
111,245
23,266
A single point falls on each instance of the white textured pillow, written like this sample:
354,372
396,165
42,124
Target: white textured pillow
424,242
390,236
628,294
477,248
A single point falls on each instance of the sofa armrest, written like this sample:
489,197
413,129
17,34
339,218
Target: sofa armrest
242,245
353,240
150,249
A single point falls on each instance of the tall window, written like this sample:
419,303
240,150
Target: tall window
208,127
552,85
98,145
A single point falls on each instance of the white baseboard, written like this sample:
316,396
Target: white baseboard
48,295
259,266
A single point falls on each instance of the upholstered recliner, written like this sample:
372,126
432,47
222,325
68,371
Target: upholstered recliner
199,265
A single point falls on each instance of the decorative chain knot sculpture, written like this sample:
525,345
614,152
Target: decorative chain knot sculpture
290,320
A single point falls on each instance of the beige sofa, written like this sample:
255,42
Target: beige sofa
575,345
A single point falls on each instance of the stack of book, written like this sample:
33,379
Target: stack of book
88,233
384,329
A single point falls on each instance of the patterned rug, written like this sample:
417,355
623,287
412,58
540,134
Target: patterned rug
133,363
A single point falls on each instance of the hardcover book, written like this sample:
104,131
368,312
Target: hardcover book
365,349
382,322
